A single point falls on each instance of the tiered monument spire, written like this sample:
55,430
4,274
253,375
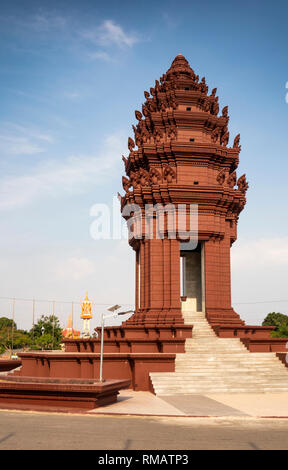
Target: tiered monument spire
180,154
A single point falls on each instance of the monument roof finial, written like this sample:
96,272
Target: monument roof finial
180,64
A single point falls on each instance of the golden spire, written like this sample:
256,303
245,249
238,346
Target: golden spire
86,309
69,324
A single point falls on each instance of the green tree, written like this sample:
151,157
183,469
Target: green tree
280,321
10,334
7,323
46,333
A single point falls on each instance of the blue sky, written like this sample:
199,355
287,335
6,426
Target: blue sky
72,74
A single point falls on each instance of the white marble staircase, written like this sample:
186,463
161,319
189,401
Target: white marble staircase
215,365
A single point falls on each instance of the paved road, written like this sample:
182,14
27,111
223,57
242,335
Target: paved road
24,430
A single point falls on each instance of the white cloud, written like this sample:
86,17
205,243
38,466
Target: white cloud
102,55
249,254
22,140
171,20
12,145
48,21
259,277
109,33
74,269
28,131
52,178
72,95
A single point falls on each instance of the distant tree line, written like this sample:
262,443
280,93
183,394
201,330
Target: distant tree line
280,321
45,334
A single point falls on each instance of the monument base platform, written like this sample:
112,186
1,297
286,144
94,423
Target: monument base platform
9,364
135,339
60,394
131,352
266,345
117,366
283,356
244,331
255,338
223,317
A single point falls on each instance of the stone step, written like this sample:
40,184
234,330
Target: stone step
228,373
212,364
209,387
205,342
225,353
214,341
205,389
218,385
226,367
200,380
219,362
219,390
218,373
216,347
202,334
198,321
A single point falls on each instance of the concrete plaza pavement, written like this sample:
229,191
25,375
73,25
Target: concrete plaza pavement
210,405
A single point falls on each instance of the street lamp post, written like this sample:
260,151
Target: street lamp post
105,317
42,331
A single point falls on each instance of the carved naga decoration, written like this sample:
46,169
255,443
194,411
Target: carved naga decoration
135,180
207,105
126,183
225,112
215,107
242,184
121,199
125,162
155,176
213,92
138,115
225,138
144,177
202,86
236,143
221,176
215,134
169,174
131,144
231,181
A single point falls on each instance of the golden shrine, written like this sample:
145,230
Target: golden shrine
69,331
86,315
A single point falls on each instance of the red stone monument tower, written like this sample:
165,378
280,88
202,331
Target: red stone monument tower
180,155
179,159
